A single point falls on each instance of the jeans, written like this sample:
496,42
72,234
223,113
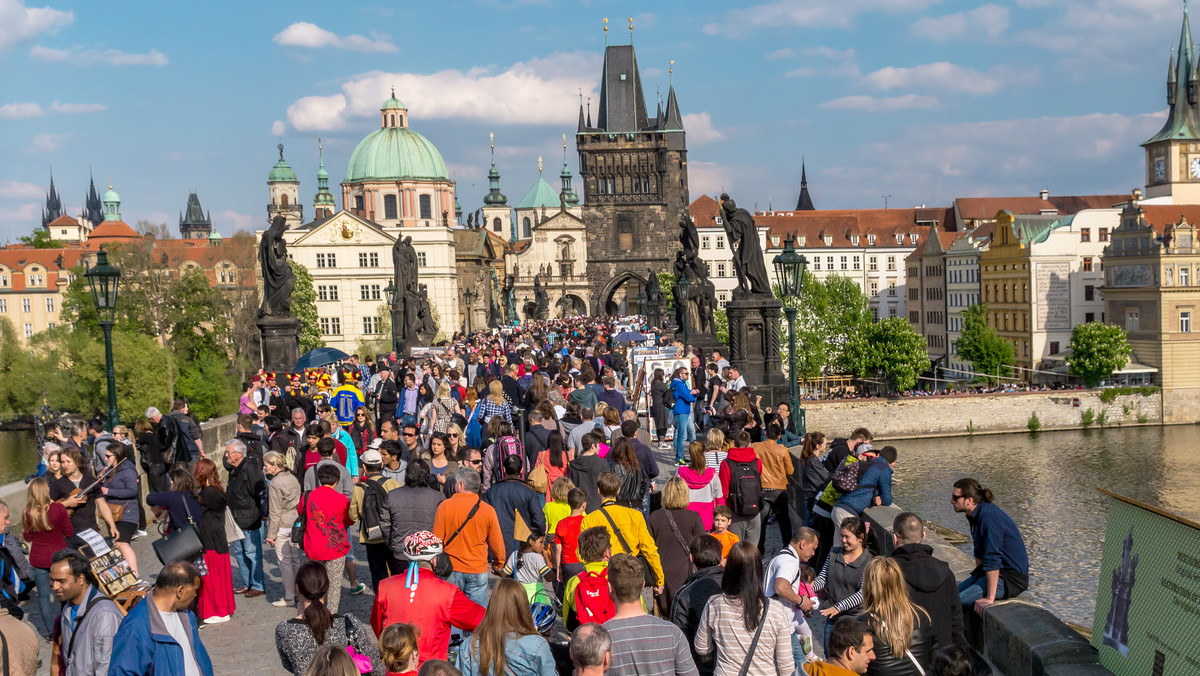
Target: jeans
685,433
974,588
248,555
474,585
46,598
747,528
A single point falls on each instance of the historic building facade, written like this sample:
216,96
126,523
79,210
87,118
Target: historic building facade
962,291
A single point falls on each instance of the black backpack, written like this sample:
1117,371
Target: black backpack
745,488
374,497
668,399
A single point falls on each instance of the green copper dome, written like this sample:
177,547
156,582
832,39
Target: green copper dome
394,104
395,153
110,195
282,171
540,195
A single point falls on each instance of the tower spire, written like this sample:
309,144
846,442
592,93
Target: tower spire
568,196
630,30
804,203
494,196
605,31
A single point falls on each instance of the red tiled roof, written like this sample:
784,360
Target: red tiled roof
1159,216
985,208
704,210
17,259
63,220
110,230
518,246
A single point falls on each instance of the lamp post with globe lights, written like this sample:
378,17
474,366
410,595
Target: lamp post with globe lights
104,278
789,272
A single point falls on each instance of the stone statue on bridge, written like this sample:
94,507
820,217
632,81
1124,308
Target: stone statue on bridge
748,261
278,278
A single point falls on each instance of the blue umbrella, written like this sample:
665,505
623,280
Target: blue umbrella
319,357
629,337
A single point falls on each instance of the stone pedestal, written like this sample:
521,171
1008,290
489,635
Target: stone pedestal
280,342
754,346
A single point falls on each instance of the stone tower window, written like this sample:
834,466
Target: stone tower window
283,199
625,231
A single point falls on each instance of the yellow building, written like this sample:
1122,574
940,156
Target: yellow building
1152,290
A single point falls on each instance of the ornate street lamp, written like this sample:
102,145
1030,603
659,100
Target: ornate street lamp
390,290
469,297
683,284
104,278
641,301
789,272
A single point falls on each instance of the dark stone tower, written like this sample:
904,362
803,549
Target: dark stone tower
93,210
193,223
634,176
53,208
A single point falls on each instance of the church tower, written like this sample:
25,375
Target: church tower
193,223
53,208
1173,154
323,203
496,212
284,189
93,210
804,202
633,172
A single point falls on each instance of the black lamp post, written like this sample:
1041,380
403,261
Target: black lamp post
683,284
789,271
469,297
641,301
390,291
104,278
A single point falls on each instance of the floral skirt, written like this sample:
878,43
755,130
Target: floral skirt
216,588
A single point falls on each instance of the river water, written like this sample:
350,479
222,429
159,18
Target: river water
1046,482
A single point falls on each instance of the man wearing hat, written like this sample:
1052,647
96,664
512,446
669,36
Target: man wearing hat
370,532
423,599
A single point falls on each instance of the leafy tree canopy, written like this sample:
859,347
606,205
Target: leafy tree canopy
989,353
1096,351
892,348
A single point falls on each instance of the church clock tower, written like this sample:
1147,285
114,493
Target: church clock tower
1173,154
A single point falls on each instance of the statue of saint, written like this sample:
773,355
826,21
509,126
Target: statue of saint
510,300
540,298
748,260
689,239
278,278
653,290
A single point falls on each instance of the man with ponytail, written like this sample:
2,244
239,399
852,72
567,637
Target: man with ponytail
1001,563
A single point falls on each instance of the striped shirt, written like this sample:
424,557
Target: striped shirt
723,629
648,646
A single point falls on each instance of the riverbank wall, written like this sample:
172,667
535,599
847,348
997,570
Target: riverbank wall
1015,637
965,414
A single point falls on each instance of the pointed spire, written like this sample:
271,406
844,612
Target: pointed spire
53,208
674,118
589,112
804,203
1183,116
494,196
581,125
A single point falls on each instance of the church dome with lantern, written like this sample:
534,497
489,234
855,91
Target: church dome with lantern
394,151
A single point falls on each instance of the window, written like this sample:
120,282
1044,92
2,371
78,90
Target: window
704,242
422,261
875,314
857,263
3,305
327,292
389,207
331,326
526,228
366,260
816,262
873,262
370,325
892,311
1103,234
25,305
721,298
843,262
496,224
1089,292
1183,276
1087,263
1089,317
28,330
369,292
1085,234
914,317
721,242
892,291
425,203
1185,322
720,269
326,260
874,288
50,304
891,263
871,240
51,325
853,240
3,281
1131,321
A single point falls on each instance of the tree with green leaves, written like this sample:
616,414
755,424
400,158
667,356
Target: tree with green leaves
891,348
830,313
666,282
989,353
304,307
1096,351
40,239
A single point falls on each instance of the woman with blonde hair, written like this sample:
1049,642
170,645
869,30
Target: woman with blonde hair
46,528
495,405
715,448
673,527
283,496
456,443
903,630
440,410
398,648
506,642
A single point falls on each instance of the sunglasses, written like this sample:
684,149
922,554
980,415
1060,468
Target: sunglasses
476,462
452,435
359,415
955,498
409,434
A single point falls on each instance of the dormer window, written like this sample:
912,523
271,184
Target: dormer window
899,238
914,238
775,241
801,240
828,240
871,240
854,240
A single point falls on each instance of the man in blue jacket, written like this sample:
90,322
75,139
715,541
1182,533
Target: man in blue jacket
160,636
874,487
1001,562
685,428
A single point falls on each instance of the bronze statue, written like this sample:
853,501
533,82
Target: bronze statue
495,314
748,260
510,300
689,239
278,278
541,300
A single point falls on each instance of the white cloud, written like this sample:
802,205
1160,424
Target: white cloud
90,57
236,220
23,215
77,108
19,23
47,142
944,76
986,21
305,34
540,91
882,104
810,14
785,53
708,178
20,111
18,190
277,128
700,130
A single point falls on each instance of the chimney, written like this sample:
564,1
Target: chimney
1045,194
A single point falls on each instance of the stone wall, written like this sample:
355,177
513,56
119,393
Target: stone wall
1181,404
977,413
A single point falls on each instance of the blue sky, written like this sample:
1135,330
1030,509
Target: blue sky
922,100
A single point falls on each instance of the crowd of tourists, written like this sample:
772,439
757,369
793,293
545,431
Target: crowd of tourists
514,519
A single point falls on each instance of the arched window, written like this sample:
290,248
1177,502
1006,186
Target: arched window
358,202
496,224
426,206
283,199
393,120
389,206
526,230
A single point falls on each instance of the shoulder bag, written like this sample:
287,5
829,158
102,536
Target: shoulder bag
181,544
679,538
754,643
650,579
442,562
301,523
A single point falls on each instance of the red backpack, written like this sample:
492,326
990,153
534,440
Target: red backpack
506,446
593,603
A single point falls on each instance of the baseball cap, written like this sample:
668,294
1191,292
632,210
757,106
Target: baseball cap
372,457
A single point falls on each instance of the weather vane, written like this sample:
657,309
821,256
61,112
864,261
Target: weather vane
539,165
671,72
631,30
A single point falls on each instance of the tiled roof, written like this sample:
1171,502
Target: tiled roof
17,259
985,208
63,220
1159,216
110,230
704,210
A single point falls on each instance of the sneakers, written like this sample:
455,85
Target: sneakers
138,534
216,620
681,463
282,603
359,589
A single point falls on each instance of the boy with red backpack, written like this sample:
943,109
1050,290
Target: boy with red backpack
741,482
506,445
586,597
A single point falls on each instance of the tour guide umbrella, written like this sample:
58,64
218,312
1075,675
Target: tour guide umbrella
629,337
319,357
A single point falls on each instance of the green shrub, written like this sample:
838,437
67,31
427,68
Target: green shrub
1143,418
1088,418
1102,418
1110,394
1126,409
1034,424
970,428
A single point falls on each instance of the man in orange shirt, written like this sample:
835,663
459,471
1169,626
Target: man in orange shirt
468,526
851,650
776,468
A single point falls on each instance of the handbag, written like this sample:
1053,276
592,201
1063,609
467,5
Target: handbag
301,523
679,537
754,644
233,532
649,578
538,479
181,544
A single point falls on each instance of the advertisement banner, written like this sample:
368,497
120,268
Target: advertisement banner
1148,603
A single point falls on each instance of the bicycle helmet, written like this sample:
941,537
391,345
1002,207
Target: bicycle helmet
544,612
422,546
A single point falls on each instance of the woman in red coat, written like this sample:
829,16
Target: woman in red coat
327,516
46,528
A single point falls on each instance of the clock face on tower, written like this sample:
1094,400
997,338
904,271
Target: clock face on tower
1160,169
1194,167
